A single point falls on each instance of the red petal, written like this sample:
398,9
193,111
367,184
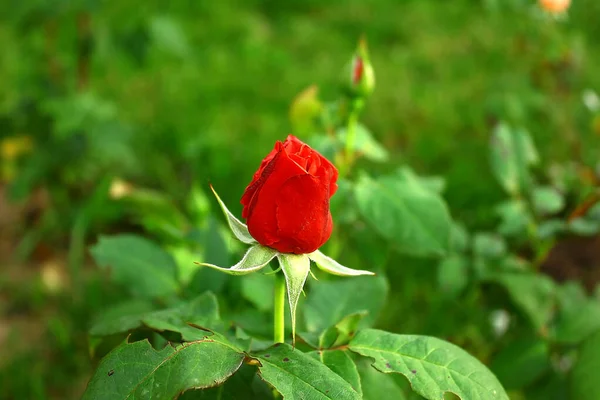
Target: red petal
303,215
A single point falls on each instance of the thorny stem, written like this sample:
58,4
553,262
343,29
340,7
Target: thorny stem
279,309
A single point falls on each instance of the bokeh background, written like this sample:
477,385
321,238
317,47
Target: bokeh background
100,95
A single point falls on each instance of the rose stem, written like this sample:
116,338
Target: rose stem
355,106
279,308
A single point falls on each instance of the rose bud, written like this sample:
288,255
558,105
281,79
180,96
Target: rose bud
287,203
360,77
555,6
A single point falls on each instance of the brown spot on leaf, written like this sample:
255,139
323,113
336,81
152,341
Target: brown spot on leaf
414,371
267,355
286,359
111,372
388,365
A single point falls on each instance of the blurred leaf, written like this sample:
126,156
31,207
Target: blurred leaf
298,376
378,386
583,226
136,370
512,153
432,366
489,245
453,275
435,184
521,363
578,315
532,293
585,384
547,200
202,311
551,228
168,36
138,264
305,109
330,301
365,144
340,362
258,289
412,217
514,218
459,237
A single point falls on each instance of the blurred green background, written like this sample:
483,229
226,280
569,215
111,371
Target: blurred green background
171,96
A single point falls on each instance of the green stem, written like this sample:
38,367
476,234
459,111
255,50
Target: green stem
355,107
279,308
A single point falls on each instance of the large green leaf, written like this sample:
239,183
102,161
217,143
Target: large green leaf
137,371
299,376
585,382
330,301
406,213
378,386
138,264
432,365
202,311
340,362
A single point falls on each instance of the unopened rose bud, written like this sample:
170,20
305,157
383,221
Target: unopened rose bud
360,76
555,6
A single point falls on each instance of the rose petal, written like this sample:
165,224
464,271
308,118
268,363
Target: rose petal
303,215
260,214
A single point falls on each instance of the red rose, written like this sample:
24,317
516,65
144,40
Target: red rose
287,203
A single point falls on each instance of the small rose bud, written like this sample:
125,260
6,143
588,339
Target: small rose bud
555,6
360,76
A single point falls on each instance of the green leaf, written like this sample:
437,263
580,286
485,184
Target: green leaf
453,275
521,363
409,215
340,362
331,266
202,311
585,384
295,268
258,289
336,335
432,366
512,152
365,144
547,200
137,371
298,376
378,386
139,264
578,315
255,258
329,302
532,293
488,245
239,229
514,218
